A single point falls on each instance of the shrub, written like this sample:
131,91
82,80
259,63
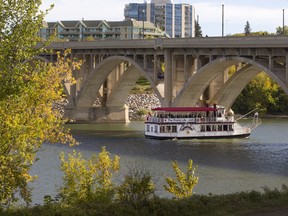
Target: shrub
86,180
184,184
138,186
142,112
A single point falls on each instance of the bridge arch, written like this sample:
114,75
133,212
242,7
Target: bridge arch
231,89
237,82
99,74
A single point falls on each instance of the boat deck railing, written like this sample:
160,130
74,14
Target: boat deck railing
153,119
254,123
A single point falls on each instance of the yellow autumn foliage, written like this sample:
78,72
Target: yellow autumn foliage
29,90
85,179
183,185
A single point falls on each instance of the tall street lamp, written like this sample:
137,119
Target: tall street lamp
222,19
283,31
143,23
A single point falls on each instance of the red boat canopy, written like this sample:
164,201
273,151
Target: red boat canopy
185,109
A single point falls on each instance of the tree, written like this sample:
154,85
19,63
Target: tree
262,93
29,89
279,30
247,29
184,184
198,31
85,180
138,186
259,33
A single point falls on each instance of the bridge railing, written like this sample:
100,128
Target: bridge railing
277,41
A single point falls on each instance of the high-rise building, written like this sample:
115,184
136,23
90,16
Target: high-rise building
177,20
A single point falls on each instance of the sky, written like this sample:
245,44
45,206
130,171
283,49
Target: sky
262,15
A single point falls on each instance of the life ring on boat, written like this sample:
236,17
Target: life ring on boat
187,127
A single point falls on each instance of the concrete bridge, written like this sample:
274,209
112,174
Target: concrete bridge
195,71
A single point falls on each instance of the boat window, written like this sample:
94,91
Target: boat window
162,129
225,127
151,129
156,129
174,129
208,128
220,127
203,128
214,128
148,128
230,127
168,129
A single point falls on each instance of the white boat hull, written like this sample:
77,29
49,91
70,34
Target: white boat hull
238,132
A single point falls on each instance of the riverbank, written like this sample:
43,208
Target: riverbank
271,202
140,105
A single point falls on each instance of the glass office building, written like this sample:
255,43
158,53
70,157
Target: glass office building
140,12
177,20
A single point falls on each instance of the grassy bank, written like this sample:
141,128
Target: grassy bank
243,203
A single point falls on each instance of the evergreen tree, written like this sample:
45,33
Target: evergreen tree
198,31
247,29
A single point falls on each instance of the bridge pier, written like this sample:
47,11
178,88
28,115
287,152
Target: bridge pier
99,114
286,66
168,89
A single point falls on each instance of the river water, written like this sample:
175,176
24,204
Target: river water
223,165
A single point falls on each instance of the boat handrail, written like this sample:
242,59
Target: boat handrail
154,119
254,123
246,114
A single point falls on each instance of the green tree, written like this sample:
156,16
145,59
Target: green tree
279,30
259,33
247,29
198,31
138,186
184,184
85,180
29,89
262,93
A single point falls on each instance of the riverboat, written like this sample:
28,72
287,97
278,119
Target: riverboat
196,123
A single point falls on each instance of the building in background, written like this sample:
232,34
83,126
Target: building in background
81,30
177,20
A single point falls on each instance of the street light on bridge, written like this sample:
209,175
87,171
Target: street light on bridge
223,19
283,31
143,23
